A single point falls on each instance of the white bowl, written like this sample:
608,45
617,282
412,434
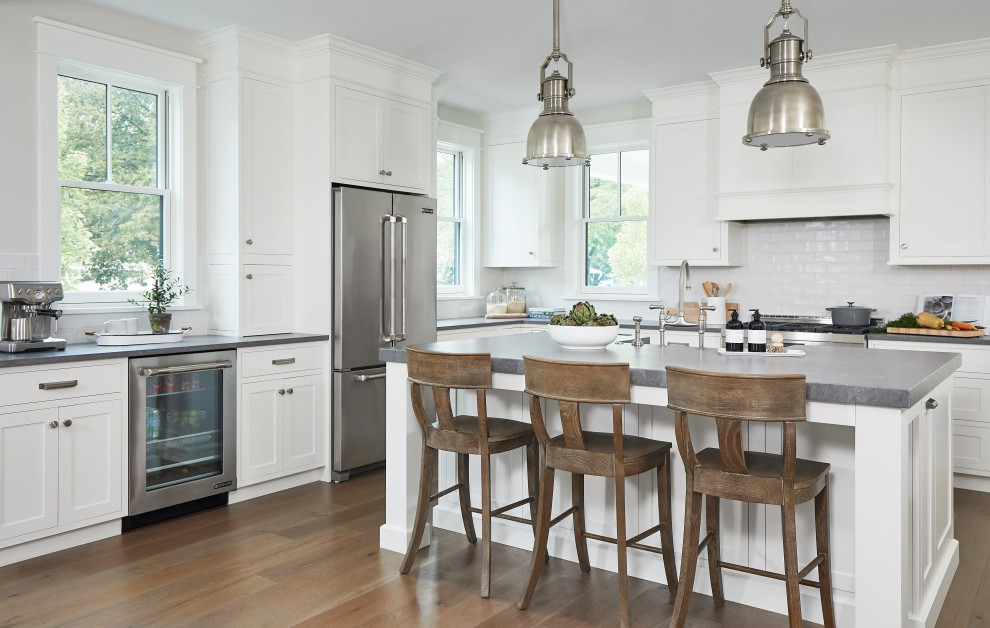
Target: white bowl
583,338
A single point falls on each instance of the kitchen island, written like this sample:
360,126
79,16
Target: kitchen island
880,418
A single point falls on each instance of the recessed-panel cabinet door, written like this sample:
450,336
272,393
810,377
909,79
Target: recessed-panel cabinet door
260,431
266,153
28,472
407,133
91,461
303,414
516,198
266,299
357,136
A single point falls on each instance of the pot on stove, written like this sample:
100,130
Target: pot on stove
850,315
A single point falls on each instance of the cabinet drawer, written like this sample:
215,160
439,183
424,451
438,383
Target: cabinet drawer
971,448
974,359
280,359
971,399
60,383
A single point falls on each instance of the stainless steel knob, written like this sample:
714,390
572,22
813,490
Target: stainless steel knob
249,241
281,391
714,249
532,253
53,424
288,391
381,172
931,404
67,422
904,246
249,276
388,173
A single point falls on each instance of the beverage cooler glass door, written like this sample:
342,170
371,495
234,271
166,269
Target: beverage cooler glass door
182,429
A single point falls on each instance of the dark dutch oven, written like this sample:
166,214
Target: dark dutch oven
850,315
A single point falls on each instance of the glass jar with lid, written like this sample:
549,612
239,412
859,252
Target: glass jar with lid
496,302
515,297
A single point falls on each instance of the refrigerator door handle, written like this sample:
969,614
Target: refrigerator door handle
388,284
405,224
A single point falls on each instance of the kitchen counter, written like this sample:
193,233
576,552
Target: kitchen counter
880,419
983,340
189,344
835,374
649,323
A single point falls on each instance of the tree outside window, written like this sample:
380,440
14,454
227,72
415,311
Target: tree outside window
450,216
111,172
614,222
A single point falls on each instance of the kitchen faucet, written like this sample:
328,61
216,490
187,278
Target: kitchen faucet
683,282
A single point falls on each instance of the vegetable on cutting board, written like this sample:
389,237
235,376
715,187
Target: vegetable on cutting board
930,321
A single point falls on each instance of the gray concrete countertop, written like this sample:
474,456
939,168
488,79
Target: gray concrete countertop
189,344
983,340
651,323
850,375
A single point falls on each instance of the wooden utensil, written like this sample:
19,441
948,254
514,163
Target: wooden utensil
714,289
728,287
707,287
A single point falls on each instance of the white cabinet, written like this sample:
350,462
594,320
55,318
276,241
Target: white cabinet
523,213
970,392
685,207
381,141
283,413
944,213
249,159
62,459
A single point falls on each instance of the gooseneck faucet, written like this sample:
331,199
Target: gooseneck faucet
683,282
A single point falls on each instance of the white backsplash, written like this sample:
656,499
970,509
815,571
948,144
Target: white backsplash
793,267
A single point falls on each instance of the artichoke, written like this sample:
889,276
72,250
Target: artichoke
556,319
605,320
583,313
568,321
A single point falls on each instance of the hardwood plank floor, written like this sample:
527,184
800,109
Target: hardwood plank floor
310,557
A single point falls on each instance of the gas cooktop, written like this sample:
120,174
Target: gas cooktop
817,329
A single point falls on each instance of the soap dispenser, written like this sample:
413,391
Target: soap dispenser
734,333
757,342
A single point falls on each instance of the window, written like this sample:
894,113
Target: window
112,179
614,222
450,219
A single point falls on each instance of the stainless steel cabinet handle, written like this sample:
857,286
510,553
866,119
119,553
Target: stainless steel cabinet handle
365,378
288,391
53,424
388,283
532,253
67,422
72,383
249,242
388,173
249,276
931,404
381,172
188,368
281,391
405,240
282,361
904,246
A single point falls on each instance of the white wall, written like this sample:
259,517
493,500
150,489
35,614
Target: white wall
19,211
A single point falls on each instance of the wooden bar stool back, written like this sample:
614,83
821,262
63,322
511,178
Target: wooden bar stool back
583,452
480,435
730,472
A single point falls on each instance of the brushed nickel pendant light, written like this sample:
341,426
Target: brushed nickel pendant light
556,138
787,111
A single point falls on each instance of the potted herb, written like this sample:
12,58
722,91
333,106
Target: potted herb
165,288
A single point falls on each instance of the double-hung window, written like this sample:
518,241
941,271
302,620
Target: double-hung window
112,175
450,220
616,195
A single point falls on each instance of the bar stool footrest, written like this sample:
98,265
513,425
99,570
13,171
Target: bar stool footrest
767,574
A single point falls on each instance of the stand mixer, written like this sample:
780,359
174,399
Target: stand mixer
27,320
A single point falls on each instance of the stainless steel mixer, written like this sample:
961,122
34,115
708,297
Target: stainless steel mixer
27,320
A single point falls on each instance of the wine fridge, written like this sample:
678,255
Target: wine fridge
182,429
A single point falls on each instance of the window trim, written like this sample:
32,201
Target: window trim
576,203
469,253
458,218
68,49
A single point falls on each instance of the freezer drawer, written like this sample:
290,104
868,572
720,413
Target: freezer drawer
358,421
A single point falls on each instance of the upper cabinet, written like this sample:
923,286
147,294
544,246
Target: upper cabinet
379,141
523,216
684,202
848,176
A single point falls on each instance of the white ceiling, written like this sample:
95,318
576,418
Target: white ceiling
491,52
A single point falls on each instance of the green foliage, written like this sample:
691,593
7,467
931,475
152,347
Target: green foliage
583,314
616,251
111,240
908,319
448,233
164,289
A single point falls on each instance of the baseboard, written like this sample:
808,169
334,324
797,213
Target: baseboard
59,542
274,486
946,569
397,540
971,482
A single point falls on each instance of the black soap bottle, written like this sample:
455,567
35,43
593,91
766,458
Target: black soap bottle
734,333
757,334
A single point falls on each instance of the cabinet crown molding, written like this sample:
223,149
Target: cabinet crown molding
681,103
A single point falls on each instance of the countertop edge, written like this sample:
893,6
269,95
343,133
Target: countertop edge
972,341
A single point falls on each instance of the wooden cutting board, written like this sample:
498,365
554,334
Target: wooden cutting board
924,331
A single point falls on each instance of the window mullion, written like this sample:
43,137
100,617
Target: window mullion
109,113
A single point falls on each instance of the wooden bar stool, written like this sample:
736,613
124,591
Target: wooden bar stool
464,434
729,472
582,452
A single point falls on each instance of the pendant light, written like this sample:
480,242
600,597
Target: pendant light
787,111
556,138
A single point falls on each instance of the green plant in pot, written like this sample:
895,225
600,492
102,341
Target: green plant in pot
165,288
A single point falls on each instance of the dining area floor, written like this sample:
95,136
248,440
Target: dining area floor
309,556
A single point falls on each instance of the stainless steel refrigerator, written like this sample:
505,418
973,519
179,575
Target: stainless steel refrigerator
384,295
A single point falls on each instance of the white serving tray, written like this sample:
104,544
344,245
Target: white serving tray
140,338
791,353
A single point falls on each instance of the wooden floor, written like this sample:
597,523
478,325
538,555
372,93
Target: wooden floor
310,556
